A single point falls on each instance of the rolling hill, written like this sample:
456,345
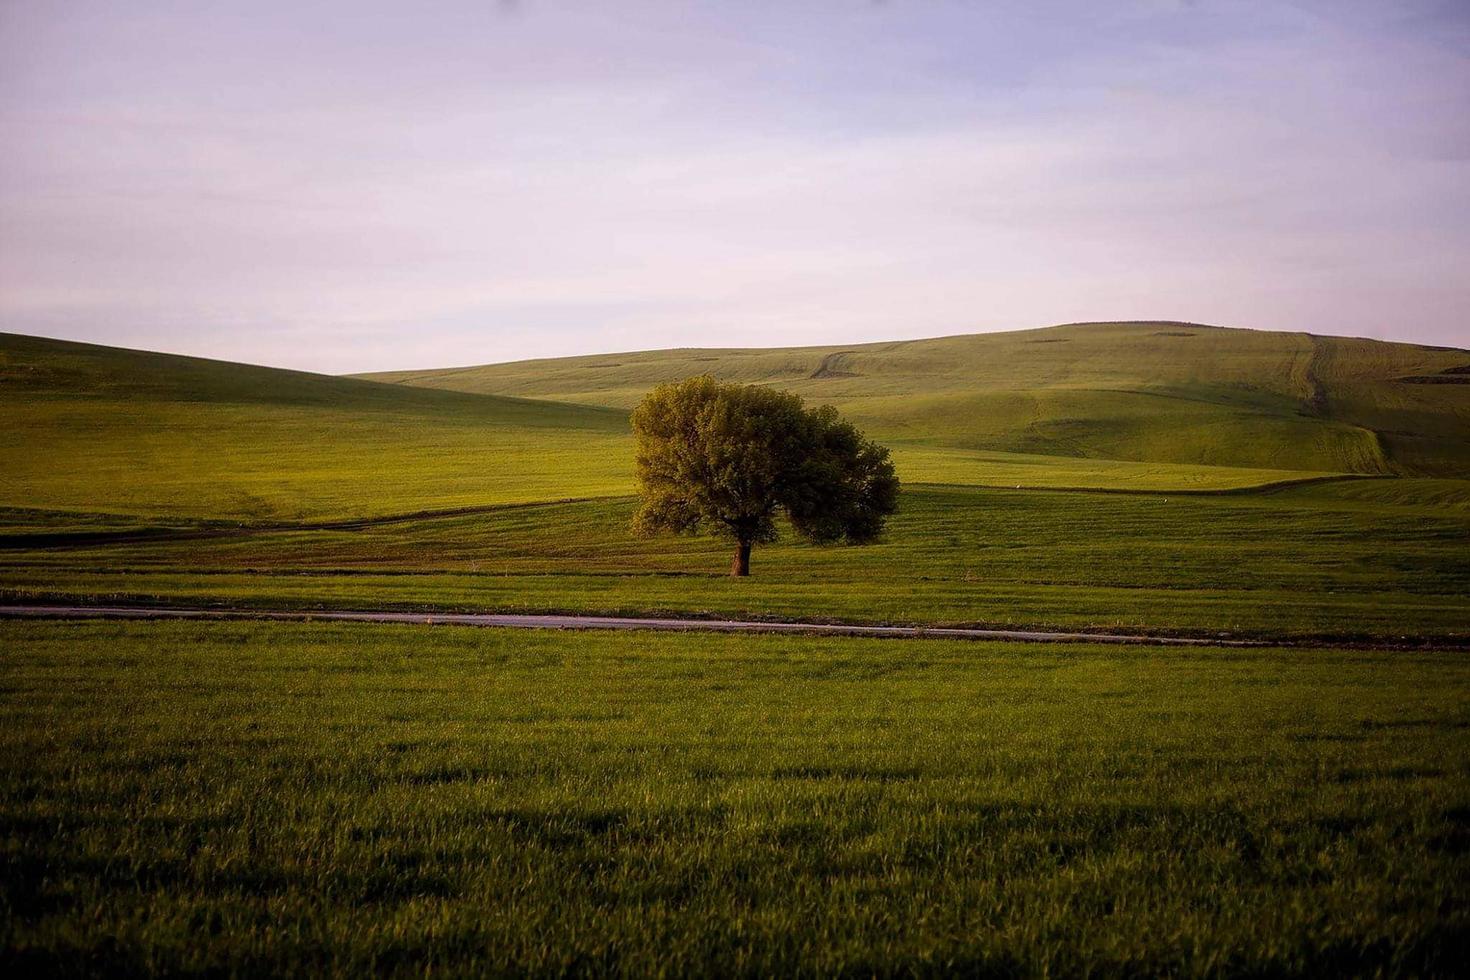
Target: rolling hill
1152,392
101,429
105,431
135,477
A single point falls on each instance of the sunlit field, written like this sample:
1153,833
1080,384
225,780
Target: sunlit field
1145,392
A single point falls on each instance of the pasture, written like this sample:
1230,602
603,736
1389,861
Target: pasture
248,797
98,430
1145,392
351,799
95,430
1377,558
149,478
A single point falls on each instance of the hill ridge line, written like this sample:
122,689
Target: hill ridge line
869,344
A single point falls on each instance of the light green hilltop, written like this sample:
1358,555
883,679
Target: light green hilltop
1151,392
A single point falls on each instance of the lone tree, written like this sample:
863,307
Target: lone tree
731,456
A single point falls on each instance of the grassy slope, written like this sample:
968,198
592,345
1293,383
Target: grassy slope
107,440
268,799
99,429
1137,391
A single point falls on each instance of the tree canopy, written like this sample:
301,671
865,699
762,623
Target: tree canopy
731,457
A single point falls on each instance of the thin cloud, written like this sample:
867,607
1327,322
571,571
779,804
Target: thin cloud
350,188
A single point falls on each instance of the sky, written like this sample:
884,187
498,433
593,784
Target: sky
352,186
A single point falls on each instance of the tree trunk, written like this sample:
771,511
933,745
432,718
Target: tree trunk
740,566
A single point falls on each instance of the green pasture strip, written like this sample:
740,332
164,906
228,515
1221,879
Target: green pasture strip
348,799
1302,561
1419,496
1199,426
259,463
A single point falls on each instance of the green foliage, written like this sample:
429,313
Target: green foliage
731,457
246,799
843,487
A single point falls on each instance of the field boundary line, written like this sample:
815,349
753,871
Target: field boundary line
224,529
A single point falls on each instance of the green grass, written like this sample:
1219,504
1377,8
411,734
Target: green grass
253,798
270,798
1150,392
1364,558
172,450
100,430
96,429
981,468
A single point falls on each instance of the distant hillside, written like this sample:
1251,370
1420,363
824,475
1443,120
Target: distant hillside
45,368
101,429
1154,392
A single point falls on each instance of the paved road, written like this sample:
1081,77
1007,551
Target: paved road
505,620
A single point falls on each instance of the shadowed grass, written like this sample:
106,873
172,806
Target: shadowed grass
274,798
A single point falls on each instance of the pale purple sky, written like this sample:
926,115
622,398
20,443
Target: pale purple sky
346,186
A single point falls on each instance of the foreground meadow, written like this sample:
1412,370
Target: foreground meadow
238,797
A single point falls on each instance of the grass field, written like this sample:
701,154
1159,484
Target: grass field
124,470
1151,392
269,798
352,799
99,430
94,429
1354,559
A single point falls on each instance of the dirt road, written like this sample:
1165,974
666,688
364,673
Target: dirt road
505,620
